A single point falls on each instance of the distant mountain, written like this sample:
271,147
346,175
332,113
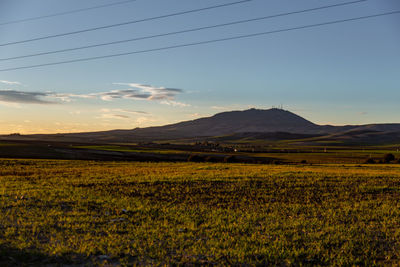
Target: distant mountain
252,120
270,124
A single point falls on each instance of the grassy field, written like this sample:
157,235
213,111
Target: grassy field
316,155
120,213
338,156
130,149
134,152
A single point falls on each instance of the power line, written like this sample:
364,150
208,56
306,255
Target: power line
203,42
183,31
125,23
66,12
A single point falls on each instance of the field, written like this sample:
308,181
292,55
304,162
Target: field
168,152
131,213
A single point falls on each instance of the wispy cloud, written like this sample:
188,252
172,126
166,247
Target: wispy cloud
134,117
113,116
219,107
13,96
232,107
165,96
106,110
123,94
115,113
66,97
174,103
10,83
144,120
25,97
135,91
144,92
195,115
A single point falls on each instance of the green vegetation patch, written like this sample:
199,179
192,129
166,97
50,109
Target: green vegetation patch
6,144
130,149
84,212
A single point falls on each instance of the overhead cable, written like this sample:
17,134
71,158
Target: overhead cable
203,42
66,12
125,23
182,31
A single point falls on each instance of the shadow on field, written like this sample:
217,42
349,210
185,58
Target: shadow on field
12,256
23,257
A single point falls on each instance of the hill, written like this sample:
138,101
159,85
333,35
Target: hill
247,121
255,124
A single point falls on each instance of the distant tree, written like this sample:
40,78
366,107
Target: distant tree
230,159
212,159
388,158
370,161
195,158
276,162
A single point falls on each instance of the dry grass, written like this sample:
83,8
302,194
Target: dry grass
84,212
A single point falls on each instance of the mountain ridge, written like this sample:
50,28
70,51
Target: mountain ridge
252,121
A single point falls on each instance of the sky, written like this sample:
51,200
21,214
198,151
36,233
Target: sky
339,74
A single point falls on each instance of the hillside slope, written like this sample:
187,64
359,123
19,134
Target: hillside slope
253,123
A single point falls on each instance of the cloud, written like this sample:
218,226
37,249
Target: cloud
174,103
13,96
65,97
126,94
113,116
24,97
144,120
195,115
106,110
138,117
146,92
10,83
219,107
232,106
135,91
113,113
120,116
11,105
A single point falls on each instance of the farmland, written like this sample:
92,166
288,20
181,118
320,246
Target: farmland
141,213
166,152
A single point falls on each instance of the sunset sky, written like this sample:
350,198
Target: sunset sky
343,73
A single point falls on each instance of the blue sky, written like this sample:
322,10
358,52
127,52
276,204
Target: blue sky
336,74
